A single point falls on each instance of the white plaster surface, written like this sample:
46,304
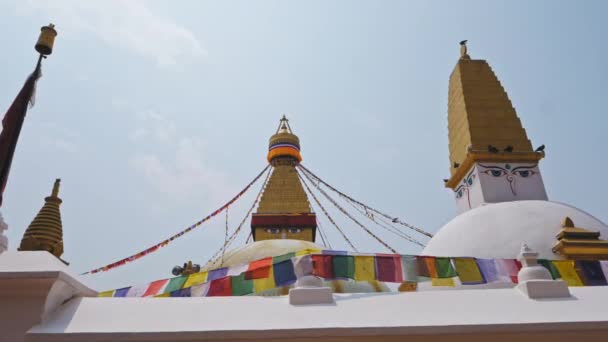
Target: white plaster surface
351,314
498,230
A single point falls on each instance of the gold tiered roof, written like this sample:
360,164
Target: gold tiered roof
480,114
284,192
45,233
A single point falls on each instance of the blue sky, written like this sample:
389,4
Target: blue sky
154,113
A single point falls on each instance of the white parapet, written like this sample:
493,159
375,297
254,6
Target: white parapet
310,290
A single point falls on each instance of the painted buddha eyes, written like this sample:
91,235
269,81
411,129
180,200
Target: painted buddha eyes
278,230
273,230
495,172
524,173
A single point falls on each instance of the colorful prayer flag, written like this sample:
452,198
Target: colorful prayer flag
507,269
283,257
264,284
259,269
444,268
181,293
200,290
388,268
156,287
220,287
323,266
344,266
175,283
241,286
365,268
468,271
591,272
195,279
217,273
284,273
488,270
409,265
109,293
567,272
122,292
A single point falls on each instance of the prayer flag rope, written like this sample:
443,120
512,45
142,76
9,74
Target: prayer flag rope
178,235
408,270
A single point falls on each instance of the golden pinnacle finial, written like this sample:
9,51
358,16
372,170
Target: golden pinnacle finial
46,40
55,192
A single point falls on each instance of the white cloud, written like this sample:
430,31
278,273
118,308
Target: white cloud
129,24
184,173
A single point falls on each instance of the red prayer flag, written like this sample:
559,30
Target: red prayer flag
388,268
323,266
11,127
220,287
155,287
259,269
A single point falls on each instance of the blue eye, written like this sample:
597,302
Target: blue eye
470,181
525,173
496,173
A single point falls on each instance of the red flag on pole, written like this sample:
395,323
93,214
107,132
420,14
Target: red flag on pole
11,127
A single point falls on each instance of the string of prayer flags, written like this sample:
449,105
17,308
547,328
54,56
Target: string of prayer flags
178,235
407,270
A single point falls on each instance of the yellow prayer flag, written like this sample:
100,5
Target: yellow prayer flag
167,294
365,268
468,271
443,282
308,251
195,279
568,273
106,294
263,284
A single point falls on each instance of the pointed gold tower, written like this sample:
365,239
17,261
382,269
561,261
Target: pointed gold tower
482,123
284,211
45,233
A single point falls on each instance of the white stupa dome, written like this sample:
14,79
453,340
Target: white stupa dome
498,230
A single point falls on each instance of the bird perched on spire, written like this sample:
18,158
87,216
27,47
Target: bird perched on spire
509,148
540,148
492,149
463,50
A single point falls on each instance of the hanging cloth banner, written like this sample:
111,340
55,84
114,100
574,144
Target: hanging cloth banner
409,270
178,235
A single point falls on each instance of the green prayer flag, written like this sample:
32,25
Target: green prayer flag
444,268
175,284
549,266
241,286
278,259
344,266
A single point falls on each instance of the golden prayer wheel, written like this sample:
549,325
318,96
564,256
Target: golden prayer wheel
46,39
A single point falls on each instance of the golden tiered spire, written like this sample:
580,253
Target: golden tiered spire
284,210
45,233
482,122
579,243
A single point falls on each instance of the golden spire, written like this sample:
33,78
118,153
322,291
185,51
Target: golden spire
45,233
482,122
284,210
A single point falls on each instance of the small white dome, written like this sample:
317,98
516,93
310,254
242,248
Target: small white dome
498,230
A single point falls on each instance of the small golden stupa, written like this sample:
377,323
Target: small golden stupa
45,233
